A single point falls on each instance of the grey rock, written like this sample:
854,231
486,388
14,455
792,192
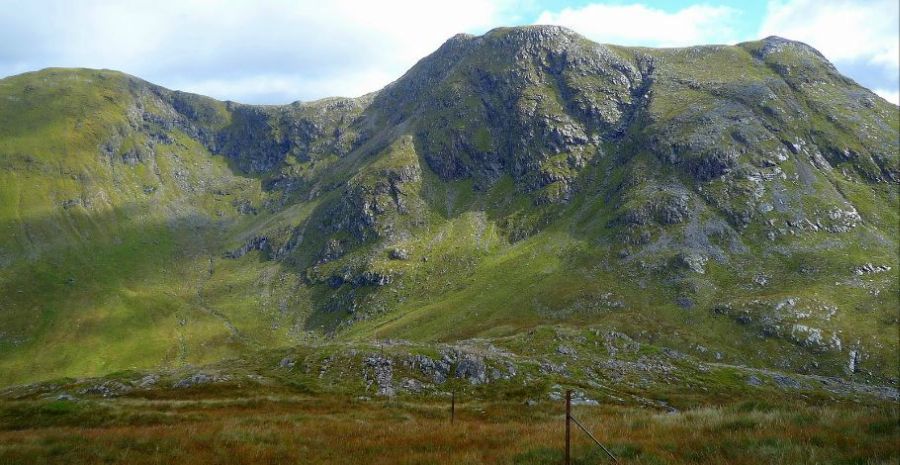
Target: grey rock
580,398
326,364
565,350
786,382
853,362
333,250
548,368
411,385
672,210
437,370
148,381
472,368
693,261
106,389
556,392
399,254
197,379
761,280
870,268
508,371
685,302
382,375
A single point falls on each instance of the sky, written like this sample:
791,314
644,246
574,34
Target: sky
280,51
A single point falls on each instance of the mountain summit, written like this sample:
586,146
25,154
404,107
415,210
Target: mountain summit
736,203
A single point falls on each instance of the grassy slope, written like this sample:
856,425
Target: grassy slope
129,274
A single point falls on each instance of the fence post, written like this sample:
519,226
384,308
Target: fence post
452,406
568,426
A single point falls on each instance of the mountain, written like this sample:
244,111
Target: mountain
735,203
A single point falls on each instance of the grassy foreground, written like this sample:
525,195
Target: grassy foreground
280,429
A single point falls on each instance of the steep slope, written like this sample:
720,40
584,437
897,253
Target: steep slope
738,203
118,216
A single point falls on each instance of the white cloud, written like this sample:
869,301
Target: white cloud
857,35
637,24
268,88
892,96
270,51
841,29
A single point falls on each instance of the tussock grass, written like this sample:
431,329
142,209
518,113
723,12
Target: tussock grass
312,429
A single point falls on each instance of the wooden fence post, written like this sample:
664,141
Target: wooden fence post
568,426
452,406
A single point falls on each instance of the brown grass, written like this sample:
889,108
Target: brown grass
311,430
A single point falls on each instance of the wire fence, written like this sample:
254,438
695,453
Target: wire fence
569,420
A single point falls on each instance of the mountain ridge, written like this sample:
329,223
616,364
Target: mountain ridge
521,178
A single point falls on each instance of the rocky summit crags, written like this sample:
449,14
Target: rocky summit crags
736,203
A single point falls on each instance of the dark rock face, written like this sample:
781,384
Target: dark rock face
256,243
498,84
369,278
259,139
251,132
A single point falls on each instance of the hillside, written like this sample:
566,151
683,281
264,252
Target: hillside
738,204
